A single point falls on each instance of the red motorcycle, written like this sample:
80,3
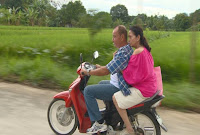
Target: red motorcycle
68,111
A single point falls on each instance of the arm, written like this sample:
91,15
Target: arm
100,71
120,60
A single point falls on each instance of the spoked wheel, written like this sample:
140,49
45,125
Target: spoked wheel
145,124
62,120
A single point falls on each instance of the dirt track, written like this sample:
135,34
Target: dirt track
23,111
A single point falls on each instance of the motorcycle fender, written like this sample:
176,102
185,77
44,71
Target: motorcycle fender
66,97
159,120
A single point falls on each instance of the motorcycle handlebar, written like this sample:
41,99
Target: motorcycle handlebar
86,66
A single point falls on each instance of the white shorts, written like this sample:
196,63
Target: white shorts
125,102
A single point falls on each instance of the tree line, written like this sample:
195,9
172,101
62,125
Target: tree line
74,14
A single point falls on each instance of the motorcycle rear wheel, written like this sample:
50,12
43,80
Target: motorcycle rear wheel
62,120
145,123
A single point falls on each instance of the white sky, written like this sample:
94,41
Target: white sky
168,8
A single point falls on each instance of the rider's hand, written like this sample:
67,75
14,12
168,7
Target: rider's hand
83,72
114,54
98,66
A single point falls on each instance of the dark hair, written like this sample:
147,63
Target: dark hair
137,30
122,30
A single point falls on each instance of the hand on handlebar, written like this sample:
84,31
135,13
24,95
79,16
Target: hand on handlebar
83,72
98,66
87,67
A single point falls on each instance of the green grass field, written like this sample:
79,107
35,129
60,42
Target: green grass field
48,57
173,54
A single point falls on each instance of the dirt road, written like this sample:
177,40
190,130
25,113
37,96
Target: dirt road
23,111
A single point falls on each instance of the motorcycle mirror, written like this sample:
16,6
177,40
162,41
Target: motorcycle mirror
81,59
96,54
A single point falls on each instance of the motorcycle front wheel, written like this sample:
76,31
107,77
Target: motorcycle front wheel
62,120
145,124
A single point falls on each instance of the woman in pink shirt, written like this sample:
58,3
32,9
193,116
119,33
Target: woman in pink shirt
139,74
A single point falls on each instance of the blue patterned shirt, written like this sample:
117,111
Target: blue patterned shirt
119,63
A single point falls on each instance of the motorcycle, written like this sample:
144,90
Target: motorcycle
67,111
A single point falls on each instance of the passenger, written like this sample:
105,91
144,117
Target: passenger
139,74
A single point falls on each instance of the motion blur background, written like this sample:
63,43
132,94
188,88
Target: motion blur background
40,41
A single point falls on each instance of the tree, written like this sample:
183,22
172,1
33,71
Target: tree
182,22
161,22
131,18
119,12
19,16
5,15
31,14
39,12
150,22
169,24
53,17
195,17
96,21
137,21
42,8
14,13
11,3
85,21
16,3
71,12
143,17
118,22
101,20
26,3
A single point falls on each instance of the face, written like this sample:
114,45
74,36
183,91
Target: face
133,40
116,38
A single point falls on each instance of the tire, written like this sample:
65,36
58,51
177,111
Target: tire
145,122
62,120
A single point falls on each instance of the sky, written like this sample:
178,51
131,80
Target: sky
168,8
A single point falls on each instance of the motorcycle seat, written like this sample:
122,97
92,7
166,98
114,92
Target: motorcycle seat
149,99
146,100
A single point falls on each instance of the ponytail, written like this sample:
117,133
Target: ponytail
143,41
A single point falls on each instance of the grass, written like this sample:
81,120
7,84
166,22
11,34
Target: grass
182,96
40,72
173,55
48,57
61,44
